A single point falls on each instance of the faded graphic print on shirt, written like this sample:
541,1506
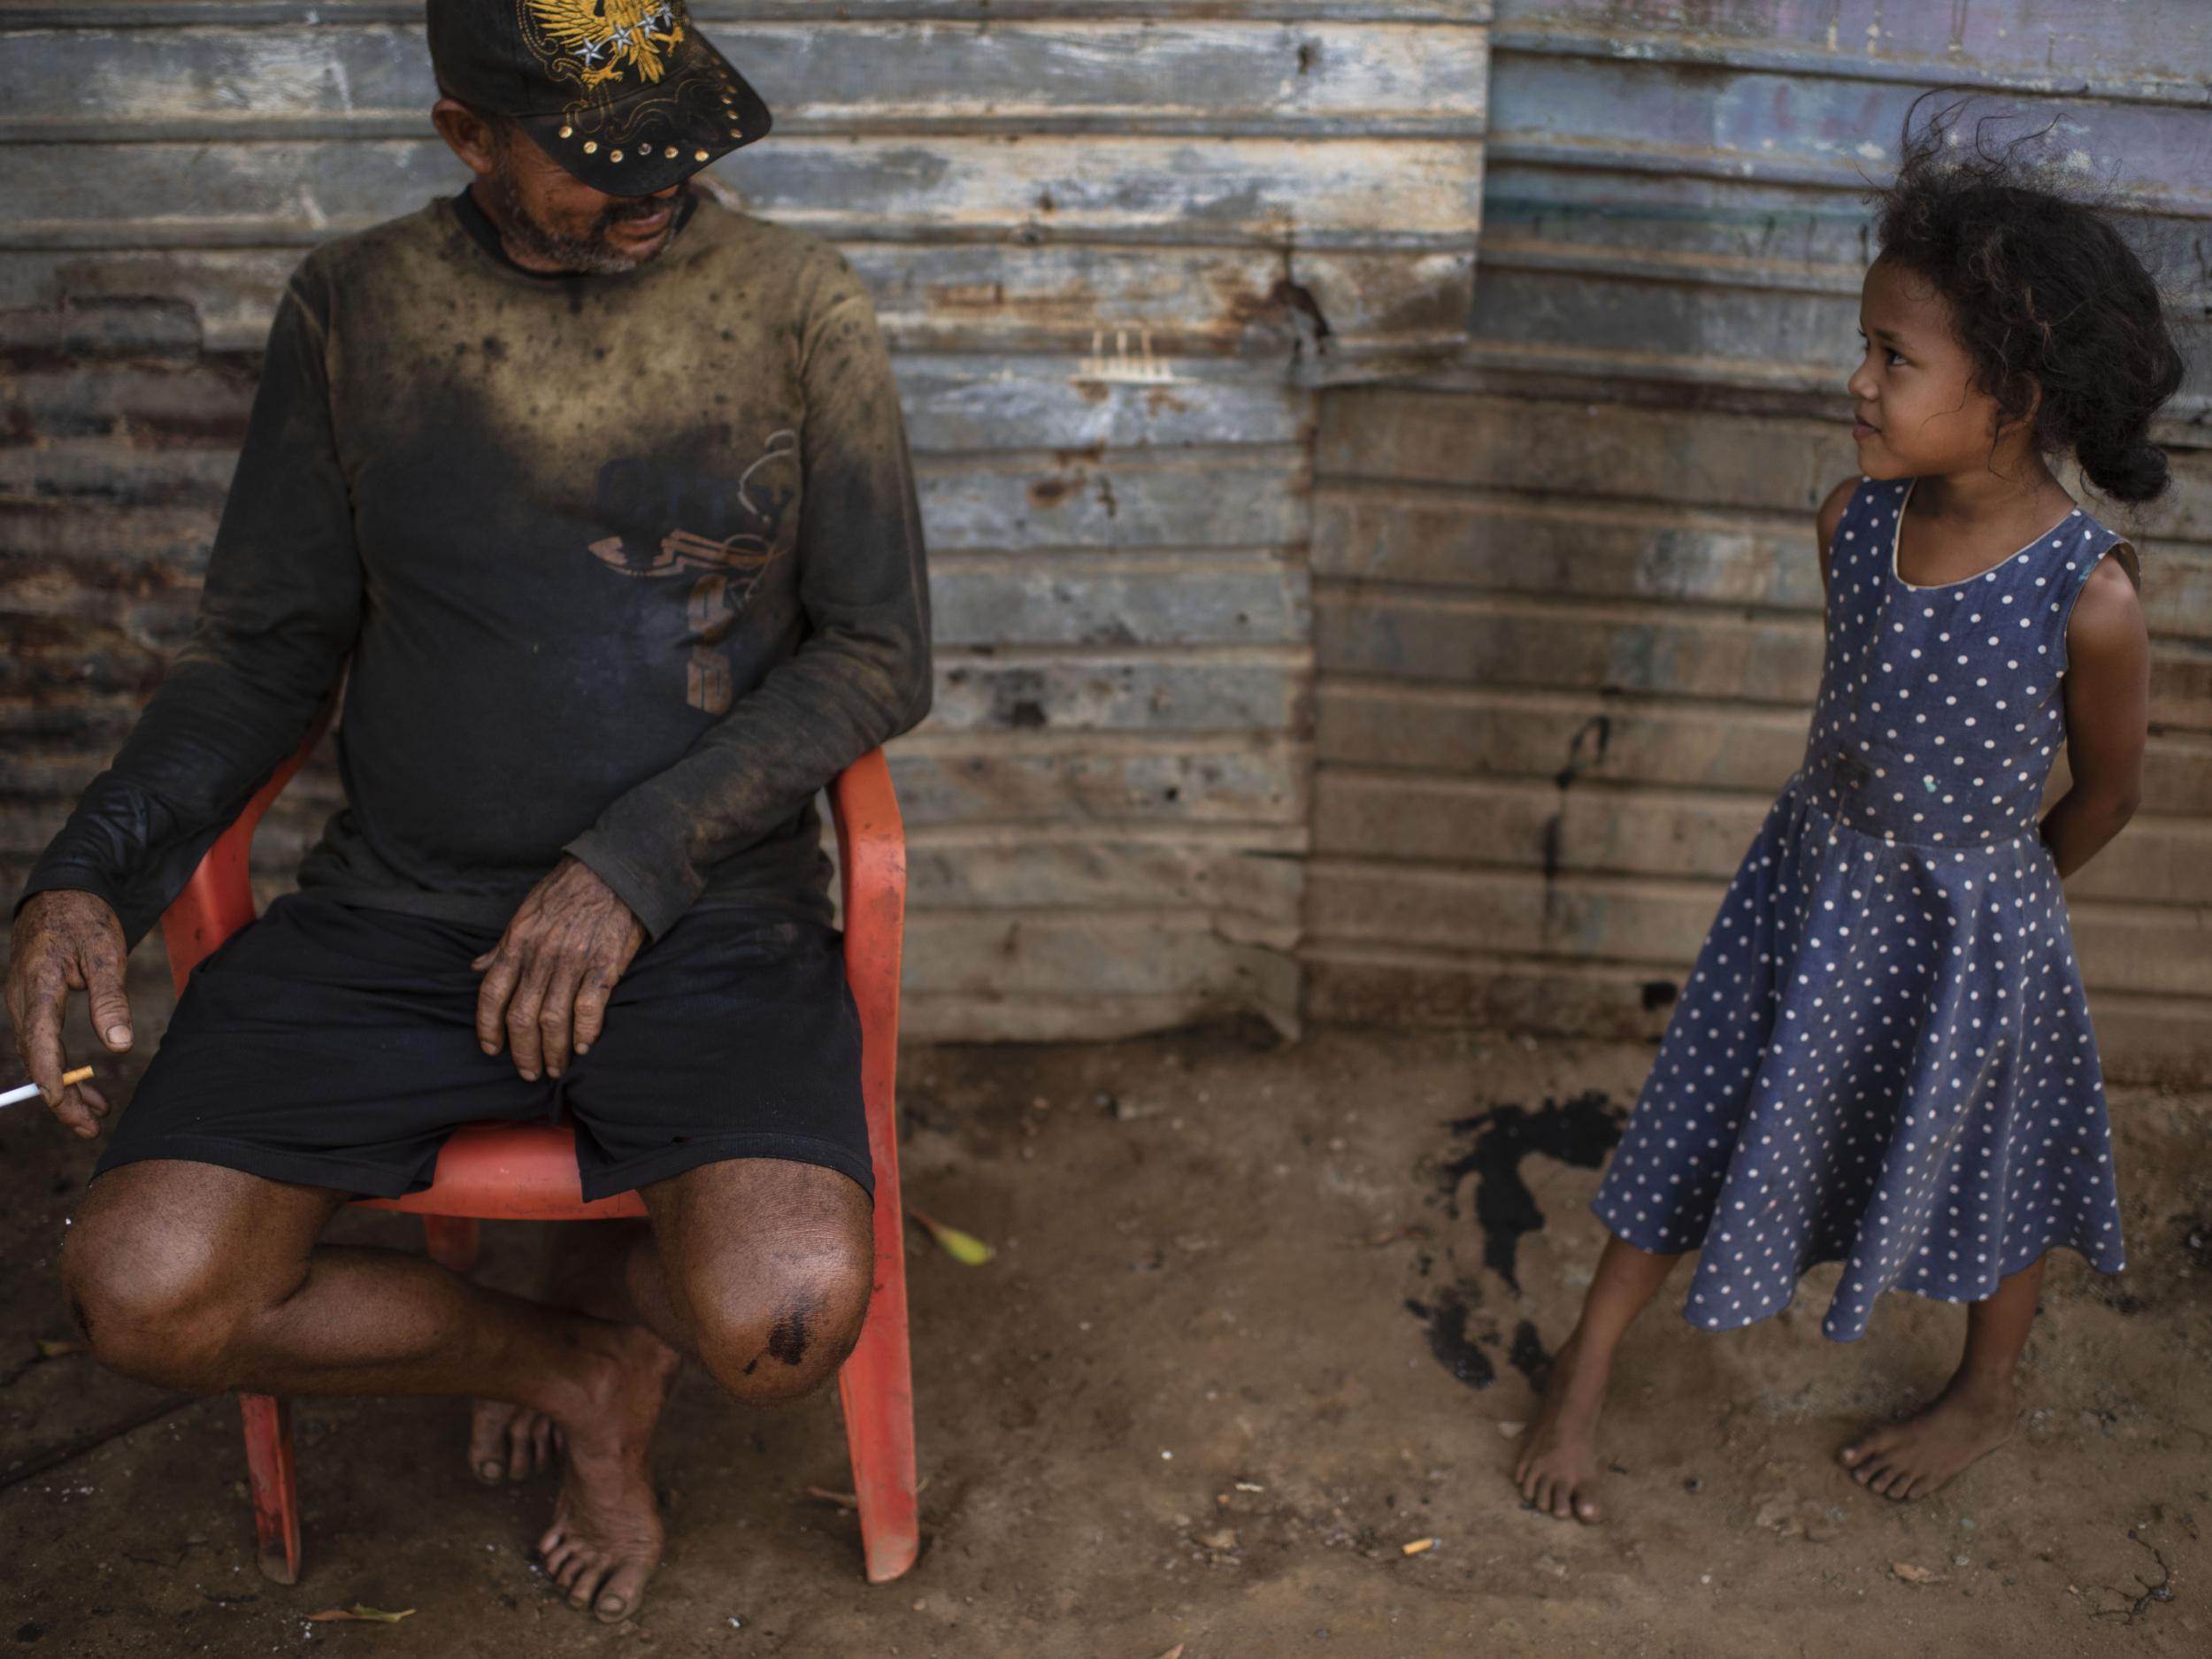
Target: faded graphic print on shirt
720,532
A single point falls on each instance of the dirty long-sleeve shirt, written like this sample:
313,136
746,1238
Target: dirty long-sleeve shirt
625,567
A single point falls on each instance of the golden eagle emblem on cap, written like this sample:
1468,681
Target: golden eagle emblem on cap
596,41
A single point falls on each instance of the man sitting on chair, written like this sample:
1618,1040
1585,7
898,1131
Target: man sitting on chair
602,490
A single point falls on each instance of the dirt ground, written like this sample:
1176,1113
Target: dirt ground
1260,1317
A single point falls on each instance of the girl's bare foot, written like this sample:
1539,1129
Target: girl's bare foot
509,1442
1558,1470
605,1538
1911,1459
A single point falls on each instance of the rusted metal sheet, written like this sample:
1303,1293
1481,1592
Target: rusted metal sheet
2140,49
1030,776
1539,824
1224,497
1087,866
1542,645
170,14
1413,194
340,80
1009,296
1113,246
1120,599
2146,948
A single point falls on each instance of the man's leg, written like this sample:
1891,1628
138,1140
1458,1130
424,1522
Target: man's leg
759,1267
209,1279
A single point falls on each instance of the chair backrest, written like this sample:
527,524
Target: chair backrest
218,899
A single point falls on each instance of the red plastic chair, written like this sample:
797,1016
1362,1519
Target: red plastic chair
527,1173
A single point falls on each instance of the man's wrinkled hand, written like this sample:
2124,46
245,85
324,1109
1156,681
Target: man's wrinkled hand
66,941
548,980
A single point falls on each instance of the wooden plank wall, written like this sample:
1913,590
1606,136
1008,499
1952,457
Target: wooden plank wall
1116,246
1566,603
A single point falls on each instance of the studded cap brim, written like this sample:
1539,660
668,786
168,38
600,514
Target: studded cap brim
700,110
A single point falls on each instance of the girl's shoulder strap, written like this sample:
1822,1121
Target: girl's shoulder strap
1867,528
2085,540
2077,547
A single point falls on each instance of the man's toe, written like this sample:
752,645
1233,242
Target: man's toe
623,1591
1587,1509
484,1448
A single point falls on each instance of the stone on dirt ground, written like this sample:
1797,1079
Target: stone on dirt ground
1256,1318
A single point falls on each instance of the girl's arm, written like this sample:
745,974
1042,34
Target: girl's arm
1831,516
2108,690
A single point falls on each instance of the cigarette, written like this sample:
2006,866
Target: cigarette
29,1089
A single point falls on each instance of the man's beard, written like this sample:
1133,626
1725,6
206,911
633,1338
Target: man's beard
591,252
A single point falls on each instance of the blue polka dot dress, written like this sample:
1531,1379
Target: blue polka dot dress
1883,1056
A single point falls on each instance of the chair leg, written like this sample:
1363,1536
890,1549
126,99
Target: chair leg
276,1497
876,1389
451,1240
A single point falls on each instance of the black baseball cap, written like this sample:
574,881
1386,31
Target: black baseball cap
627,95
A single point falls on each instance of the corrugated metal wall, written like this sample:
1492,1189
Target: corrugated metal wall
1567,607
1561,592
1115,246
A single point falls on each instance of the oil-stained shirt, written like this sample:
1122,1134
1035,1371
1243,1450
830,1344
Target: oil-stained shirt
628,566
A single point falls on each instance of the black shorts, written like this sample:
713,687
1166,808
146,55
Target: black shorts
332,1046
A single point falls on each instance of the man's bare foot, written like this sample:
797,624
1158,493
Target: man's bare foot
1558,1470
579,1269
1911,1459
510,1442
605,1538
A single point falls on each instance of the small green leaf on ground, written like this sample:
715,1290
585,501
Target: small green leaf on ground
52,1348
964,1247
358,1615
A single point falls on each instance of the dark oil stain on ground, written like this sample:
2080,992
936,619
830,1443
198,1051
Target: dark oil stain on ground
1580,1131
1528,1354
1457,1352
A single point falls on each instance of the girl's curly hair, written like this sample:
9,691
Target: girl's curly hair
2044,294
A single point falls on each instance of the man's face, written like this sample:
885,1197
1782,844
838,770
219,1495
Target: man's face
558,220
550,219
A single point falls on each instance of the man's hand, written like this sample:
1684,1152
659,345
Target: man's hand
66,941
546,982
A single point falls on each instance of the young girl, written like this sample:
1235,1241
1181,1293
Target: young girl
1883,1057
